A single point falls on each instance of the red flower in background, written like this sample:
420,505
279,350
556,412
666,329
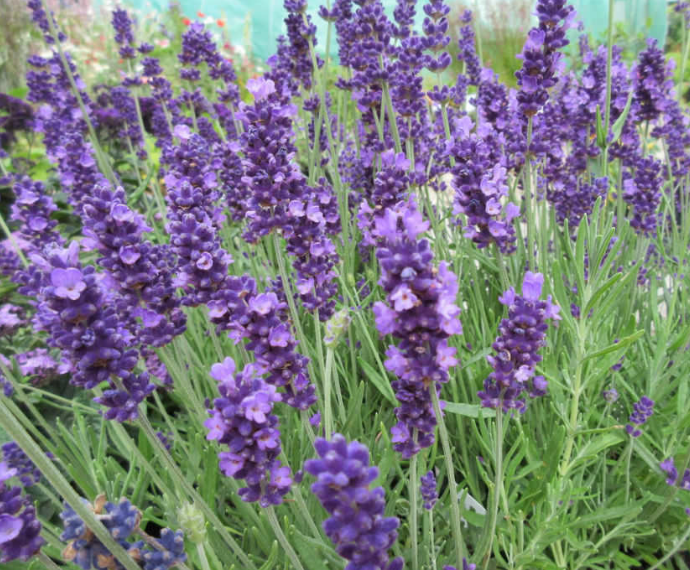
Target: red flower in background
221,23
186,21
200,15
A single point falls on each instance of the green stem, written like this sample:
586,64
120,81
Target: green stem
15,245
450,472
414,506
684,58
62,486
577,391
498,483
607,110
327,410
47,562
179,478
101,157
202,556
528,198
432,546
282,539
679,544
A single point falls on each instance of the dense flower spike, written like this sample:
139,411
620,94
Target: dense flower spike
357,526
420,311
467,52
14,458
429,490
122,522
32,209
260,318
642,411
653,82
481,186
77,313
522,334
241,419
20,530
141,272
541,60
643,192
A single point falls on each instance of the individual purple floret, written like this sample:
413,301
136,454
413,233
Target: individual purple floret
522,334
541,60
241,419
20,530
357,525
610,396
429,490
642,411
421,311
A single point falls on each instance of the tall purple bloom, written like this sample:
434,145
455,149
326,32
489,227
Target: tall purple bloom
522,334
242,419
480,183
467,52
260,318
541,60
420,311
82,321
653,82
357,525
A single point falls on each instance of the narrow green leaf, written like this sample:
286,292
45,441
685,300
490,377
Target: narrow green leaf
617,127
469,410
601,135
614,347
382,384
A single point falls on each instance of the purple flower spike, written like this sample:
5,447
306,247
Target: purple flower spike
241,419
522,334
642,411
421,311
541,60
20,530
357,526
429,490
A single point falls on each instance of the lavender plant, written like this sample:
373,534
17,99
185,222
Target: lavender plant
370,314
